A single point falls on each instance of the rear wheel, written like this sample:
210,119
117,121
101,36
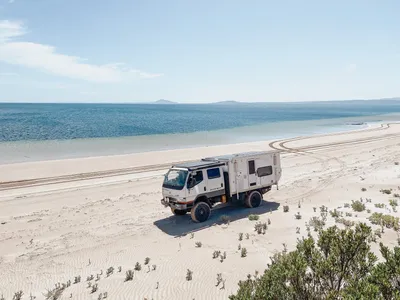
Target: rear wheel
200,212
253,199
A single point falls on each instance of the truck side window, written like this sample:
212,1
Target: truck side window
198,177
264,171
213,173
252,167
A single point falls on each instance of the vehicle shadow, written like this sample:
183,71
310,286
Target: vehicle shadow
178,226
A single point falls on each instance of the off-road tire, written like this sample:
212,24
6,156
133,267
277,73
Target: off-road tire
254,199
178,212
200,212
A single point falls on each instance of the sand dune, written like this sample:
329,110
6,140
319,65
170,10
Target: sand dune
78,217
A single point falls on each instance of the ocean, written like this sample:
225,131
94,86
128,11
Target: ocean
53,131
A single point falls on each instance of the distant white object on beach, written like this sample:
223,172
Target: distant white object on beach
356,123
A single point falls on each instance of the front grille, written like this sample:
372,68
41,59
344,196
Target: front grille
171,200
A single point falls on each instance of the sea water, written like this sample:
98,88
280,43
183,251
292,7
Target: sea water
30,132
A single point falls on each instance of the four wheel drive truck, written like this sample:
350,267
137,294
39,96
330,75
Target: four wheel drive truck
242,178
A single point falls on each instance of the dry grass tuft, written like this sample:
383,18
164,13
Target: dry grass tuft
138,267
189,275
129,275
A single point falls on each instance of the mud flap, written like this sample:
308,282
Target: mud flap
164,203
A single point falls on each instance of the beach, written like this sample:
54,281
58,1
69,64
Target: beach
64,218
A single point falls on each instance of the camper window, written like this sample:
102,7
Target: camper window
213,173
264,171
252,167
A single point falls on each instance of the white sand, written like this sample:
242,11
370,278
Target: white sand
51,228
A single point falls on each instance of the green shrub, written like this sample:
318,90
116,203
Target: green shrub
345,222
379,205
338,265
216,254
323,209
243,252
18,295
138,267
253,217
385,220
260,227
189,275
358,206
386,191
335,213
317,223
225,219
110,271
393,202
129,275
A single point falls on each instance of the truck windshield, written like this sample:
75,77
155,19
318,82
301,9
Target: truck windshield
175,179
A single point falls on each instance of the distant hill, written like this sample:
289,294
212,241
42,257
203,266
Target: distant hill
228,102
163,101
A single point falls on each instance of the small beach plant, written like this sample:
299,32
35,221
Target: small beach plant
129,275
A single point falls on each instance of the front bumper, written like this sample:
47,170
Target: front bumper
167,202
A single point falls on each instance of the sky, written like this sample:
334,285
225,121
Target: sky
198,51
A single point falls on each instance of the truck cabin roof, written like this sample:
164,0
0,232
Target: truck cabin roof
198,165
240,155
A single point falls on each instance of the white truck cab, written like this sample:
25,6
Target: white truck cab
197,186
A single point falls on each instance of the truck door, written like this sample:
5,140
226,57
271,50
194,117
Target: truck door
252,173
215,180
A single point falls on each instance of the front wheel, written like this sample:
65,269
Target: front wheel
178,212
253,199
200,212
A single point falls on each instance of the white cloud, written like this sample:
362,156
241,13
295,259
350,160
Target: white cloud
45,58
10,30
11,1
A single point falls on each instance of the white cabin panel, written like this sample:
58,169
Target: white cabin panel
215,179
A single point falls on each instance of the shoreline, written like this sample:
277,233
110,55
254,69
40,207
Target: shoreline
213,148
114,166
35,151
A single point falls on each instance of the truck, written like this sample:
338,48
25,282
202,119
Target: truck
198,186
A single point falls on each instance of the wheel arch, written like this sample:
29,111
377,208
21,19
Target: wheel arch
202,198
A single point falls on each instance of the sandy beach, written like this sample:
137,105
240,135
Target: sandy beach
62,219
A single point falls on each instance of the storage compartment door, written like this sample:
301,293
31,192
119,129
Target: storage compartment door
251,164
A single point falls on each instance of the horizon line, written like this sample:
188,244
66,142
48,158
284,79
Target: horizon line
170,102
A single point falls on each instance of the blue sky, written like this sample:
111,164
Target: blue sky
198,51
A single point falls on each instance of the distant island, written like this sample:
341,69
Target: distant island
163,101
234,102
228,102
